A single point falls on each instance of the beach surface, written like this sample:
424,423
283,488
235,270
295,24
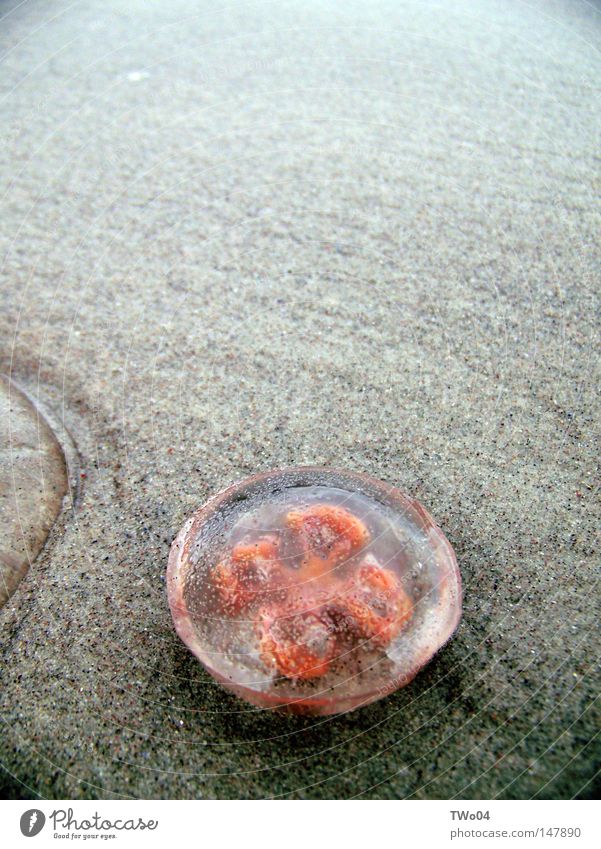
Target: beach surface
242,236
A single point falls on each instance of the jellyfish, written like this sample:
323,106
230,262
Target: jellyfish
312,589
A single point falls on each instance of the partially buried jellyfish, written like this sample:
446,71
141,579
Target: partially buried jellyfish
312,589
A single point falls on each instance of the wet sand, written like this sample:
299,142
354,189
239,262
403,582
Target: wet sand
270,234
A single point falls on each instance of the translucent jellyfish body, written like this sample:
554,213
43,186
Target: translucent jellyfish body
313,589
